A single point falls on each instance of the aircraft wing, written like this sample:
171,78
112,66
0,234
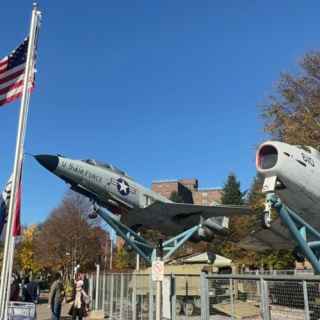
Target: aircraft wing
276,237
186,210
173,216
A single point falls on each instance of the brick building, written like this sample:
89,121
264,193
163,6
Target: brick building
189,190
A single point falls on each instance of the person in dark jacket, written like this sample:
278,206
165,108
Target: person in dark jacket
33,291
15,289
56,297
25,294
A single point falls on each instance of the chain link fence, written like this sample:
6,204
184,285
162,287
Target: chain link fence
267,297
123,296
132,296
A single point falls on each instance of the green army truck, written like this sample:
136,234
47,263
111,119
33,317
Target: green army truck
187,284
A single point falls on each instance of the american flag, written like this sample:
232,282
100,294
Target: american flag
12,69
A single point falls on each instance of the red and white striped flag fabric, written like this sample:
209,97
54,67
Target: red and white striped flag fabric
12,68
16,221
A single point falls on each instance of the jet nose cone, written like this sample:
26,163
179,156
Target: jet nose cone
48,161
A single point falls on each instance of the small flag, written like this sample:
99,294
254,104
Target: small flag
4,207
3,213
4,203
12,69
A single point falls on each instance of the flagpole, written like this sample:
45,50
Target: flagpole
9,245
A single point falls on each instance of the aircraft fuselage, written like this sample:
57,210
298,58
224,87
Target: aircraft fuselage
111,187
293,172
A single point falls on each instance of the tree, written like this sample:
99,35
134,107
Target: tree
25,253
276,259
122,259
238,226
66,238
231,193
296,105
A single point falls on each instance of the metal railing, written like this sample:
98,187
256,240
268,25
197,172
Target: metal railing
264,297
131,296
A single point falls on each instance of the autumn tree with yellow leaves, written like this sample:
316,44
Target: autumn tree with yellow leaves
25,253
67,238
292,113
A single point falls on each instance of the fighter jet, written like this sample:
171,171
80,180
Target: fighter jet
292,173
111,188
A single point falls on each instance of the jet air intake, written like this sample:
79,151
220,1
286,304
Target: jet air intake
267,157
210,228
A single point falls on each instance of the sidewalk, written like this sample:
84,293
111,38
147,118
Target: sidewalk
44,313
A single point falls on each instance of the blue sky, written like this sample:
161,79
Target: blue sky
162,89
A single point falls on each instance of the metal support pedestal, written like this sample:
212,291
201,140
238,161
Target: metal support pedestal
140,245
300,230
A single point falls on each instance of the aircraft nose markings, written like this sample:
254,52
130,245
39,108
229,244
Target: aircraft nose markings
123,187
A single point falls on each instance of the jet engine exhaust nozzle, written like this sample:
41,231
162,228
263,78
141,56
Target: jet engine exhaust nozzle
267,157
48,161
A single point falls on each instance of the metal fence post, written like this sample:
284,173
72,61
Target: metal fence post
173,297
231,297
306,301
111,295
204,291
150,298
97,287
264,299
103,290
134,296
121,295
107,297
91,291
266,293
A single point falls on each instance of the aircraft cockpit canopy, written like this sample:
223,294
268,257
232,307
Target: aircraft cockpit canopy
107,166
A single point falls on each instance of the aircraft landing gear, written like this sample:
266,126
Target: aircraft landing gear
267,215
306,237
145,249
94,213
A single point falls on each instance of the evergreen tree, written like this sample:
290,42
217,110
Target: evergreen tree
231,191
239,226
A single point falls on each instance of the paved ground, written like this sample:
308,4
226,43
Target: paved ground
43,311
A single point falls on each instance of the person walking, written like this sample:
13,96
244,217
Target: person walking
25,292
80,301
56,297
30,291
15,288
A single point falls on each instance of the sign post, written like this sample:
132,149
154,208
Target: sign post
157,275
